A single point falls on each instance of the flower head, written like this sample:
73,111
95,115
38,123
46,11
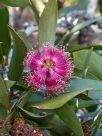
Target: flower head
50,69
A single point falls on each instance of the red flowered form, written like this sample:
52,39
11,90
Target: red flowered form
50,69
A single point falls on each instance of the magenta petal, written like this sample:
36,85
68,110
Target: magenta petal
47,52
65,70
52,69
54,83
33,60
36,79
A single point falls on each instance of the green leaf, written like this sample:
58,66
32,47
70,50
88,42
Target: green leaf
4,33
16,3
100,132
9,83
79,6
58,126
96,124
77,87
24,98
67,114
95,65
84,24
35,11
47,24
85,104
74,48
87,62
1,54
96,94
79,84
76,28
19,52
58,101
3,112
33,115
24,39
4,99
79,72
36,97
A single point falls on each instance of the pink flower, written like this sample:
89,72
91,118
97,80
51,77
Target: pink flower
50,69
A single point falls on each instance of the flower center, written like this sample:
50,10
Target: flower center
48,63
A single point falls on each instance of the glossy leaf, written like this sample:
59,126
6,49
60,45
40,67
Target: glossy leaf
4,33
96,94
58,101
79,84
87,62
47,24
4,99
19,52
33,115
79,73
67,114
95,65
77,87
16,3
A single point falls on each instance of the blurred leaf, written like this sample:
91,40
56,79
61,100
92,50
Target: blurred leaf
100,132
16,3
74,48
35,11
47,24
4,33
58,101
76,28
20,87
56,124
4,99
67,114
95,66
96,94
84,104
24,98
3,112
19,52
79,6
23,36
9,83
96,124
1,54
36,97
84,24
